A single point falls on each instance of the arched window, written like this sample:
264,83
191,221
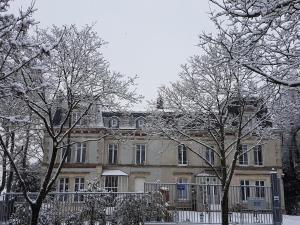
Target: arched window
182,157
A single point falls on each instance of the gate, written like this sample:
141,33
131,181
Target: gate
201,203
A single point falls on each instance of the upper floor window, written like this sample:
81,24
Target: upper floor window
140,123
140,154
80,121
243,159
114,122
210,155
245,189
80,152
182,157
63,151
258,156
259,189
112,153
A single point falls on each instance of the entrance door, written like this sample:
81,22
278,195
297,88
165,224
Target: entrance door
139,184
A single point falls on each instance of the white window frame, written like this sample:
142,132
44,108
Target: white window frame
183,195
79,187
113,149
210,155
114,122
140,148
111,180
244,157
180,154
245,190
260,191
82,147
82,122
256,152
140,122
63,182
69,156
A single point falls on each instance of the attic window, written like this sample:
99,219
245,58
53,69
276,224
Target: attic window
140,123
114,123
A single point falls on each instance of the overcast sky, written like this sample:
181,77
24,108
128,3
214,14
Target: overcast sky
148,38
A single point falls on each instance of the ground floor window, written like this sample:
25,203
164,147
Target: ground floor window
259,189
79,186
245,189
111,183
182,189
63,187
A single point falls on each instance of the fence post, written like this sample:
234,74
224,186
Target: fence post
276,200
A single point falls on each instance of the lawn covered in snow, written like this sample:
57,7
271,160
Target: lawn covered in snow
291,220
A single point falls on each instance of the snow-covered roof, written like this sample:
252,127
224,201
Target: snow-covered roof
113,173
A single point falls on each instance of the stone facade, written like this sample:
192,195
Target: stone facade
126,160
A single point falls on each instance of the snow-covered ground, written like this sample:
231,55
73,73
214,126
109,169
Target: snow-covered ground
291,220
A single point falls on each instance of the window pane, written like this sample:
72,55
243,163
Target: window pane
184,160
110,154
83,154
243,159
115,155
143,156
111,183
138,155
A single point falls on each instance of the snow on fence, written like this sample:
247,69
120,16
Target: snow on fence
101,208
172,203
197,203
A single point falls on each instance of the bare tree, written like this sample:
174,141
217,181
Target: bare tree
18,50
74,78
224,105
262,36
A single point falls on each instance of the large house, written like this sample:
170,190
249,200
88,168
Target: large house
125,158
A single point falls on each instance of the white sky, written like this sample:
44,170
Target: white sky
148,38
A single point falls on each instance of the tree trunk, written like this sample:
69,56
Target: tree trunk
296,153
10,179
225,208
35,210
3,181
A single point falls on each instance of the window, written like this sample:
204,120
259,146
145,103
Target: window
259,189
140,123
68,158
112,153
210,155
63,187
140,155
258,157
182,189
182,155
245,190
114,122
79,186
243,159
80,152
82,121
111,183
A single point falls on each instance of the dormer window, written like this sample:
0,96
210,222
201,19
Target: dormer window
114,122
79,119
140,123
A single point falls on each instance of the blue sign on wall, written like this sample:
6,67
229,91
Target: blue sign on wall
181,186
